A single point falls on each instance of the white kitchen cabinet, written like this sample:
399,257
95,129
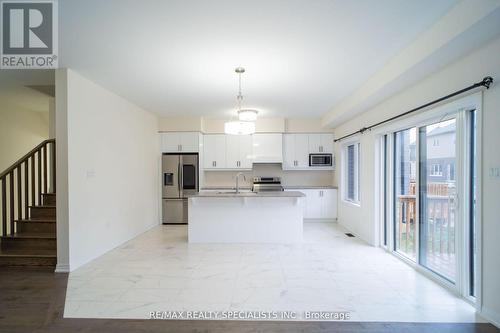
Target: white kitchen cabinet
288,151
238,152
319,203
314,205
170,142
189,142
214,151
329,203
184,142
296,151
246,151
320,143
267,147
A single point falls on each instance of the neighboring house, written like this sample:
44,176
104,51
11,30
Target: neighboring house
441,154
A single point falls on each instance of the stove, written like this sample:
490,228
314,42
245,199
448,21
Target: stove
267,184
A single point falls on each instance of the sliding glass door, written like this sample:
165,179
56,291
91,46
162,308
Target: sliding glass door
404,192
437,198
427,169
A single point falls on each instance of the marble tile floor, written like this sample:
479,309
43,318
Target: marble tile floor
160,271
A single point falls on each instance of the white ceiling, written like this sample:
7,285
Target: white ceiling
178,57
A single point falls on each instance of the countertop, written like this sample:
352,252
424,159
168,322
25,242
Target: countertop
245,188
248,194
310,187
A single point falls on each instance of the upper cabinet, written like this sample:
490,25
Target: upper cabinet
227,152
180,142
239,152
267,148
214,151
236,152
296,151
297,147
321,143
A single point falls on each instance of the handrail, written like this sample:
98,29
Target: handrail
24,184
25,157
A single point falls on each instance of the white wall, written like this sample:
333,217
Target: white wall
112,159
470,69
21,130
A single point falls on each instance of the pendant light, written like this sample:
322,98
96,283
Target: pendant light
246,123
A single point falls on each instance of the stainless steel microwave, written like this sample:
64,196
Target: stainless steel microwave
320,160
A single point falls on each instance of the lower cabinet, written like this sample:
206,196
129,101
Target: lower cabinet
319,203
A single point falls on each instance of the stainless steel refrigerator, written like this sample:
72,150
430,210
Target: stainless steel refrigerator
179,179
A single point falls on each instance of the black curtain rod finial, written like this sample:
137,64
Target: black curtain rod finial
487,81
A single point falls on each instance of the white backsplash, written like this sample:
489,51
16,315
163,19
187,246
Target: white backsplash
288,178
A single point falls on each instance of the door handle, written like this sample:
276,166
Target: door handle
181,176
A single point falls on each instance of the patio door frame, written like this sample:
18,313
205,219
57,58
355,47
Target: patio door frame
384,171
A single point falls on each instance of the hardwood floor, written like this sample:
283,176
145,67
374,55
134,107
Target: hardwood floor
33,301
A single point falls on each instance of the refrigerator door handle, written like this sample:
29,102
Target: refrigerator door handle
181,178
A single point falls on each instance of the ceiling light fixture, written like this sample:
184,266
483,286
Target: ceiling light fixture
247,117
239,127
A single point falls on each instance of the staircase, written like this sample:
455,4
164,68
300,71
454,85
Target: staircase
28,210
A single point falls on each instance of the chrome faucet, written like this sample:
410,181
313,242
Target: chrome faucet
237,178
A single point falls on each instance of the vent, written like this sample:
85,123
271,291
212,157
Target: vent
348,234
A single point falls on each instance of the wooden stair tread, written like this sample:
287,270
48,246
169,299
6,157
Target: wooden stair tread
37,220
26,235
28,253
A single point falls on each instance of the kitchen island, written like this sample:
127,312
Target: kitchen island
245,217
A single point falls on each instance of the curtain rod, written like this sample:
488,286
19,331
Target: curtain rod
486,82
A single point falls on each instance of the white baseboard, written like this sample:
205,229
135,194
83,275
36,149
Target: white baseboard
62,268
320,220
491,316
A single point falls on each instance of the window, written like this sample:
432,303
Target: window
436,170
351,174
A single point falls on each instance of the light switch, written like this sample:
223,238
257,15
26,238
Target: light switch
495,172
90,174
